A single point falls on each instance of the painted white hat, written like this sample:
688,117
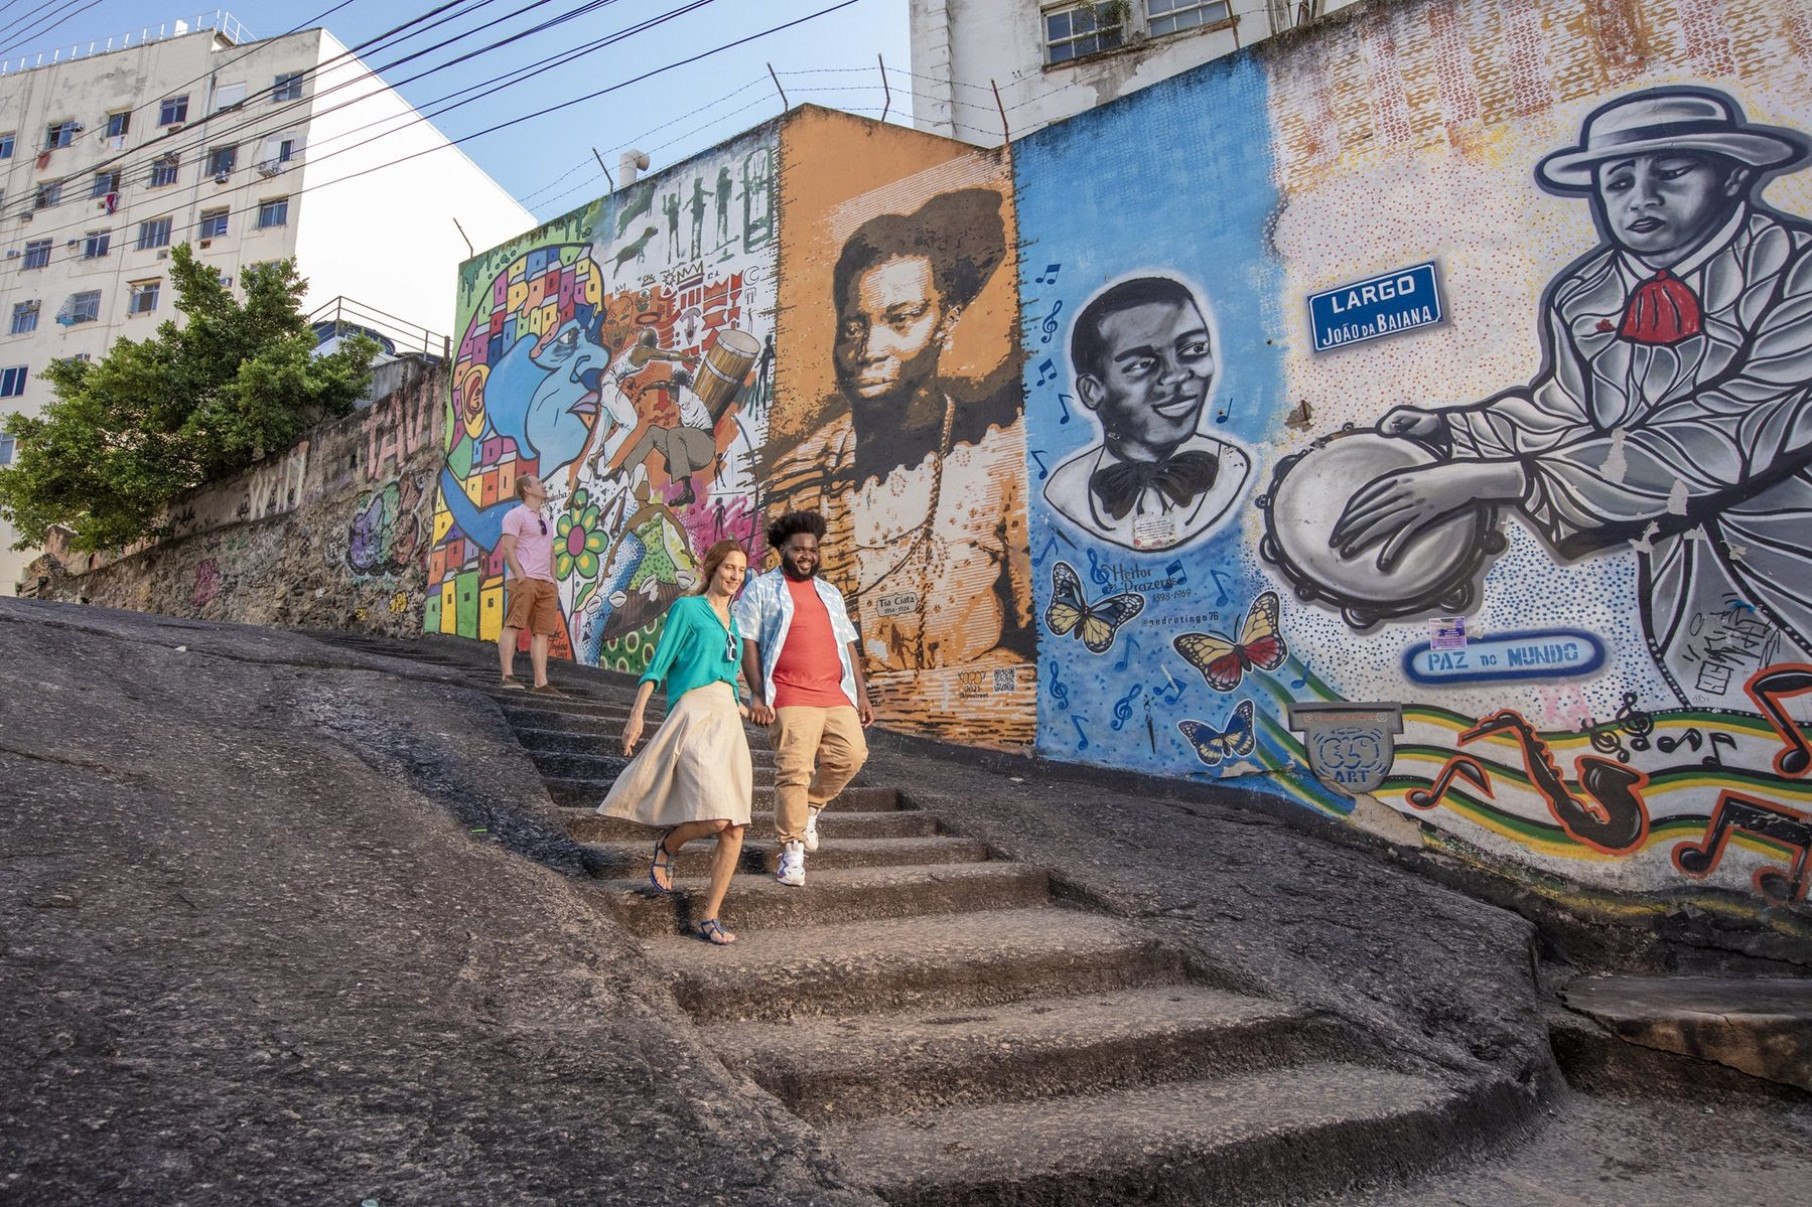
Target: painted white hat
1668,120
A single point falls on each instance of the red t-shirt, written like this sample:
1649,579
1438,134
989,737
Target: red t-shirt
808,671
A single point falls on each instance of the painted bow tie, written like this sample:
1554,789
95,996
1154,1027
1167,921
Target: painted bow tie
1663,310
1178,478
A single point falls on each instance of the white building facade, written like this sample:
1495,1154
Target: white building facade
249,151
1054,59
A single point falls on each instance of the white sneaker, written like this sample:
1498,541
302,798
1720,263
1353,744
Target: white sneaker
792,864
811,829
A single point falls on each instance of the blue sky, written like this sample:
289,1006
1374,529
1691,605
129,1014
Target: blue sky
547,163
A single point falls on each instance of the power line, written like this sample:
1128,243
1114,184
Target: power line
50,23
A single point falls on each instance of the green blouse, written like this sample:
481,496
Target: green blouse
692,650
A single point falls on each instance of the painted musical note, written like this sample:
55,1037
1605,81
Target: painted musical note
1220,586
1044,555
1123,707
1046,372
1060,691
1050,322
1667,744
1063,403
1301,681
1097,572
1460,766
1713,759
1132,643
1637,723
1173,692
1177,573
1765,819
1048,276
1081,735
1770,688
1044,471
1605,739
1220,416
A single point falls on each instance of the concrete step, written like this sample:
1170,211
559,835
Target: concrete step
849,1069
587,825
1761,1026
922,963
599,764
629,860
833,895
566,741
1278,1134
569,707
579,793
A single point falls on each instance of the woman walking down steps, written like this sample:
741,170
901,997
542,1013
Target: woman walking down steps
695,779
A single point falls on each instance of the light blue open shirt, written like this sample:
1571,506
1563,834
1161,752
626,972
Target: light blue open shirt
764,614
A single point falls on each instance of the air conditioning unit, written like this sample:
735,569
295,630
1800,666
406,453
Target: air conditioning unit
72,243
220,178
269,167
117,142
163,255
207,243
12,253
76,127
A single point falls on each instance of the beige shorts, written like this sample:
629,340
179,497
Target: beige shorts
534,605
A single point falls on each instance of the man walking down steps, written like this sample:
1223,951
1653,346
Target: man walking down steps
802,664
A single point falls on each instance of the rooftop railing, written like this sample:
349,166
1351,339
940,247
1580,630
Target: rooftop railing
224,25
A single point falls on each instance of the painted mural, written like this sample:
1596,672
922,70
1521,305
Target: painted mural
1432,423
900,418
623,353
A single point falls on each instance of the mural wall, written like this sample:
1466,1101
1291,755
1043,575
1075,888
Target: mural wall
1420,411
624,353
899,416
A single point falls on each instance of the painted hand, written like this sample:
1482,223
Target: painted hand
1412,422
1397,507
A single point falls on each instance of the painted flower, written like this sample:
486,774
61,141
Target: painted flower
580,538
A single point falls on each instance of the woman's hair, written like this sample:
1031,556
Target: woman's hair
714,557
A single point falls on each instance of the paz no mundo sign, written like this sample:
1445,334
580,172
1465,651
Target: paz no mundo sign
1382,305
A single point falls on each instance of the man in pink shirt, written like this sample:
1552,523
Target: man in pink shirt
534,599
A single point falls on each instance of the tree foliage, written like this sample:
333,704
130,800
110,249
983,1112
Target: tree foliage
233,383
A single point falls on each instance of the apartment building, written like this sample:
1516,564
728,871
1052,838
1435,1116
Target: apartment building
249,151
1052,59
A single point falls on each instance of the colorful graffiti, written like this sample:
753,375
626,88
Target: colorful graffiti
630,372
1564,627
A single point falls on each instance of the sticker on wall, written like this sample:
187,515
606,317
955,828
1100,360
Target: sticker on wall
1350,746
1535,654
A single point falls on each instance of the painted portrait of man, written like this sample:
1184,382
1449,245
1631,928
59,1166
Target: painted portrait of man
1143,359
919,475
1673,412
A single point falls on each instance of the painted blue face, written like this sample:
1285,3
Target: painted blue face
563,406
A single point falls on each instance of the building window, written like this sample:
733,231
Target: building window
49,195
12,381
105,183
95,245
155,233
1172,16
37,253
274,212
174,109
25,318
1070,33
288,87
229,96
286,150
163,172
60,134
118,124
6,145
213,224
84,307
222,160
6,449
143,298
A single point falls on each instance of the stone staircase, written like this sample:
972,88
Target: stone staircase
956,1032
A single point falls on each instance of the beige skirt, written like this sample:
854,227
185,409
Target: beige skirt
695,768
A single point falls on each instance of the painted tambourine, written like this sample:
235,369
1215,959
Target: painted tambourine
1438,570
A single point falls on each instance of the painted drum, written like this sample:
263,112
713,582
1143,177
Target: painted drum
724,368
1437,571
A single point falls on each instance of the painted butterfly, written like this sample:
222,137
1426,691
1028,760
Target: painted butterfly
1095,623
1222,662
1214,745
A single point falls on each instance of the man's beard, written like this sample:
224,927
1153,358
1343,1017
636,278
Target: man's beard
786,568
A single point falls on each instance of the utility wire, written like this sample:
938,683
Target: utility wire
49,23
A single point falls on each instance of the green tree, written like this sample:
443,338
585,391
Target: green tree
233,383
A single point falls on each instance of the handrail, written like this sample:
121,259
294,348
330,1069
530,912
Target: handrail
221,22
343,315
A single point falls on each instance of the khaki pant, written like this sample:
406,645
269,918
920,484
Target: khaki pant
802,735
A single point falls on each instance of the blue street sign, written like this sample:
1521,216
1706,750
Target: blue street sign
1540,654
1382,305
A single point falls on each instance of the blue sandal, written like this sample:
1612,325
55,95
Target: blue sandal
662,862
712,931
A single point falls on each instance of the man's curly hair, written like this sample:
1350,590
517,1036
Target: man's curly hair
792,524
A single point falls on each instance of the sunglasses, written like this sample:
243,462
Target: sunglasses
539,520
729,647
